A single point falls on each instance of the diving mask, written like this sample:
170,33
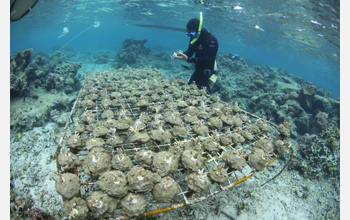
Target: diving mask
192,33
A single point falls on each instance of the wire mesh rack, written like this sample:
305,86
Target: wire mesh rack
137,143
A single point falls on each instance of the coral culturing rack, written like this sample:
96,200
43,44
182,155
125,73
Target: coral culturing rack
137,143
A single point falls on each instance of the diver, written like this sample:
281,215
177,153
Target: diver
205,47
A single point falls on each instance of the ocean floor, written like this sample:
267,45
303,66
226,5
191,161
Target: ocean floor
33,167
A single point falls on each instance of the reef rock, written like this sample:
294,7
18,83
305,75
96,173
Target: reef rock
19,72
132,52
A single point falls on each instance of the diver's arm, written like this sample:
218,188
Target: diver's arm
184,55
190,51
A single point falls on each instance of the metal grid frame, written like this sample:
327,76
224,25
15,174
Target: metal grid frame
213,158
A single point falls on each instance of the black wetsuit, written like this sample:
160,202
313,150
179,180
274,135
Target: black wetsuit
205,50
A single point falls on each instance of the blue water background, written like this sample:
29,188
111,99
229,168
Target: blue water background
295,37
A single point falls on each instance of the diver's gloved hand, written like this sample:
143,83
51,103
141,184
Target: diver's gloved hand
180,55
211,82
213,78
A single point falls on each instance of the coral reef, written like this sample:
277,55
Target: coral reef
38,214
75,142
19,72
177,117
101,58
132,53
319,155
19,207
40,89
276,94
63,76
302,111
20,210
145,158
54,73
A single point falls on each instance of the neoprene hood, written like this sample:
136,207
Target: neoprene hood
193,24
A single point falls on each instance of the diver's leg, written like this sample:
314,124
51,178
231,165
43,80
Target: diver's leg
195,77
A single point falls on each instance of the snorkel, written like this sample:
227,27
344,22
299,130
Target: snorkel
199,29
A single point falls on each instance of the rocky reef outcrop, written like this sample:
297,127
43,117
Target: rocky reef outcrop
318,155
277,95
40,88
314,116
19,72
52,73
134,53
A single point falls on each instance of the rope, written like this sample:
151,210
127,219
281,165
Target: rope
63,135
